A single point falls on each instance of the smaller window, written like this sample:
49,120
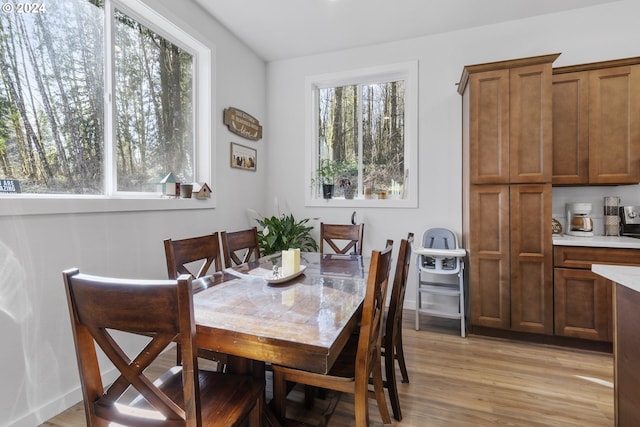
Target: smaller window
362,148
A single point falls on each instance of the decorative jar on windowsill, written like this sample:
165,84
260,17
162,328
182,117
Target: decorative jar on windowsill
347,189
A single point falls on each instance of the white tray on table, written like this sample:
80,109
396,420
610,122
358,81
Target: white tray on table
280,279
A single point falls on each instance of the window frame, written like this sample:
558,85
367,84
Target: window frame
204,128
407,71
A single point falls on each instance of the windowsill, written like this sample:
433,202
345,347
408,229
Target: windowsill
17,205
361,203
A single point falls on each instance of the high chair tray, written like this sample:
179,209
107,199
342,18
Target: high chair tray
448,253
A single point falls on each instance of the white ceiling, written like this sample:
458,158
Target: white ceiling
281,29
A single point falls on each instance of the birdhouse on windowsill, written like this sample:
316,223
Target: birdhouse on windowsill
169,186
201,191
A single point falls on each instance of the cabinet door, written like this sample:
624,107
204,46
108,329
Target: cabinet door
570,128
614,125
489,127
531,259
626,357
489,270
583,305
530,110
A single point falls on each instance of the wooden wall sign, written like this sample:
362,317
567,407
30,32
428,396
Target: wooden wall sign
242,124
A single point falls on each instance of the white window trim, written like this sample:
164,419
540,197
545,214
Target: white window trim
407,71
203,57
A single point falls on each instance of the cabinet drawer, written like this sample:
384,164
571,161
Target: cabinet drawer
583,257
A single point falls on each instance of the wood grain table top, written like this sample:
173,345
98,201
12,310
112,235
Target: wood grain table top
303,323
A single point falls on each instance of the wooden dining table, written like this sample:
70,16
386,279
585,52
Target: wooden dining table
302,323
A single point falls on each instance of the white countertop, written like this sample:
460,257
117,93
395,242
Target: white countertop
622,274
596,241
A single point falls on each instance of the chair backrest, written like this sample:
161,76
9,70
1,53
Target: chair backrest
182,253
396,302
342,237
161,310
373,309
439,238
239,247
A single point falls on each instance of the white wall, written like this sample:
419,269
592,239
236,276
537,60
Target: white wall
39,375
37,356
585,35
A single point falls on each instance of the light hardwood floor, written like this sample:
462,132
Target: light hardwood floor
478,381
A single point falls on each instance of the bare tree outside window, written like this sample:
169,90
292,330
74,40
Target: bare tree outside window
154,127
361,131
52,106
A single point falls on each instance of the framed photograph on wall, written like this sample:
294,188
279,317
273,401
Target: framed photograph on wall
243,157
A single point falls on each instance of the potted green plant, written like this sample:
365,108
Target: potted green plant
326,173
285,232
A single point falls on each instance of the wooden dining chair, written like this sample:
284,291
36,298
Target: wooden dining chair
392,349
358,361
199,254
239,247
161,312
341,237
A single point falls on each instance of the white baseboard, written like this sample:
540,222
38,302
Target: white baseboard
45,412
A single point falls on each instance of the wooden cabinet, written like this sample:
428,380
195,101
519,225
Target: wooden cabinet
507,193
596,123
489,270
582,305
489,127
510,130
626,356
531,259
570,129
582,299
510,257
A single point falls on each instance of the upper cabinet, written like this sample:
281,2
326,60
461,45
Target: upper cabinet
511,130
596,123
571,128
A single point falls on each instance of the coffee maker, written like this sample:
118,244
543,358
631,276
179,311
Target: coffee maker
630,221
579,222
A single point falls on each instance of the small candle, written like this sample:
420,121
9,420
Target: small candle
290,262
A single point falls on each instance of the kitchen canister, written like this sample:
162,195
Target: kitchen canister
611,218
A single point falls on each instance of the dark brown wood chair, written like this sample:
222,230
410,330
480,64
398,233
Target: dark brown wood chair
342,237
359,360
184,253
199,254
160,311
392,349
239,247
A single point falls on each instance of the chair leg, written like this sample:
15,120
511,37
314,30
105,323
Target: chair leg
361,407
309,397
378,389
279,394
418,302
256,414
390,381
399,351
463,331
178,355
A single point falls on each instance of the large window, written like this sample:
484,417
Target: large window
99,98
363,140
